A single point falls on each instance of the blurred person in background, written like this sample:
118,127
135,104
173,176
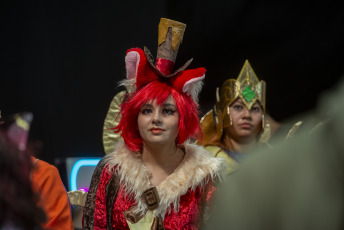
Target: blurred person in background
18,201
46,181
44,177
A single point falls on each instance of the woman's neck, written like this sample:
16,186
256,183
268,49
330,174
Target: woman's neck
161,160
242,146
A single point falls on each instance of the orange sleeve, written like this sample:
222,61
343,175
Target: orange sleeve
54,200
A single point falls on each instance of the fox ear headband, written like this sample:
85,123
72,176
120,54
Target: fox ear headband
141,69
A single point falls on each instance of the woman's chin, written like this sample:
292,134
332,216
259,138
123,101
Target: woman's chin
247,135
158,141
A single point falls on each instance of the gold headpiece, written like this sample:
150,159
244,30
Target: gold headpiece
247,87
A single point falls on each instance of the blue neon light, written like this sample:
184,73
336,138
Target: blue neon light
77,166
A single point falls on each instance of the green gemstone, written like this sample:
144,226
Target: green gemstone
248,93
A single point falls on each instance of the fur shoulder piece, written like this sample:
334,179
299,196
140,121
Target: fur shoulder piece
196,169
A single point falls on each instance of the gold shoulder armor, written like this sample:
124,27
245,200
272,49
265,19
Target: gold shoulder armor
293,130
110,138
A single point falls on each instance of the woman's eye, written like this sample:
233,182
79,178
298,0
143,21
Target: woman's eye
146,111
168,111
256,109
237,107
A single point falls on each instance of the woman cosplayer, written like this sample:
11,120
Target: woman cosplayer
236,125
155,179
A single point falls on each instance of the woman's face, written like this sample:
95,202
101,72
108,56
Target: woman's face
245,123
159,124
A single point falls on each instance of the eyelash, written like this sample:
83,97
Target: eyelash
256,109
237,107
145,111
240,107
169,112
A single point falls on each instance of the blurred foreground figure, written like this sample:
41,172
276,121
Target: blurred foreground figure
43,177
18,202
296,185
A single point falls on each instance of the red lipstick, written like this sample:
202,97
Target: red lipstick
156,130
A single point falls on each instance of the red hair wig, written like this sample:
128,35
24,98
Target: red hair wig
188,113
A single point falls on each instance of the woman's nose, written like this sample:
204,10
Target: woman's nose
247,112
156,117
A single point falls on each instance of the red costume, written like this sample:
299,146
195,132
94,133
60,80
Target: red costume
184,195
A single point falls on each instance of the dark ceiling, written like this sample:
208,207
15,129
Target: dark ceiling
62,60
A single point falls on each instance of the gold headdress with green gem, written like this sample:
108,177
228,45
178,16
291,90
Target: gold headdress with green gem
247,87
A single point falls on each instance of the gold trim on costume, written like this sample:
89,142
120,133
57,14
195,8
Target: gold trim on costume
77,197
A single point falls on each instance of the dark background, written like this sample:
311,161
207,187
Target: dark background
62,60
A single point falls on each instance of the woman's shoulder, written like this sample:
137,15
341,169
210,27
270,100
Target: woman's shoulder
228,163
199,150
214,149
202,158
121,157
209,151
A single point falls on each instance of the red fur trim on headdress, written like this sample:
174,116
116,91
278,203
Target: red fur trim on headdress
185,76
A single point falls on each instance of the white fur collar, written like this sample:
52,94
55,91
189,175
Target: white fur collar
197,167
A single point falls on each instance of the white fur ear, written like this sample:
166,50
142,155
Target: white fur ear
132,60
193,87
